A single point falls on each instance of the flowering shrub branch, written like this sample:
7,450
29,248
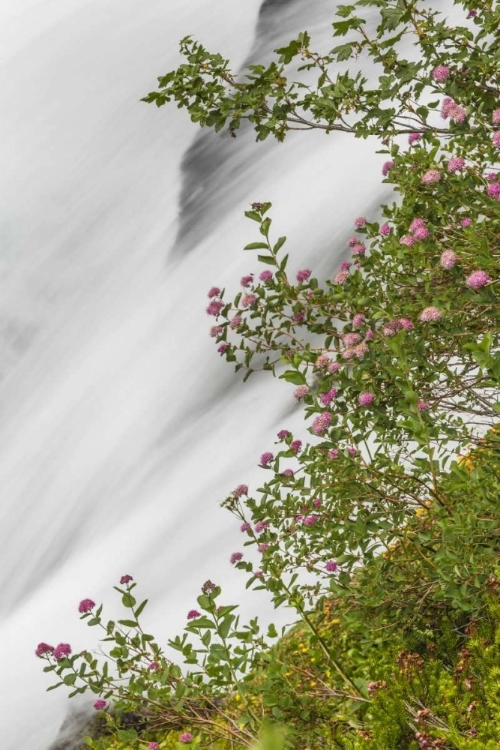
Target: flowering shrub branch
378,523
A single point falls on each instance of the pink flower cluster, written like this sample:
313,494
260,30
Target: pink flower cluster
495,117
387,168
413,138
441,73
493,190
495,137
44,648
394,326
303,275
448,259
246,280
100,704
125,579
452,110
283,434
301,391
331,566
366,398
430,314
477,279
186,737
193,614
455,164
62,650
419,230
266,458
432,175
360,222
321,423
86,605
235,557
241,489
266,276
333,453
327,398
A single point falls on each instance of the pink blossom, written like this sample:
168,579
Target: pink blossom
407,240
416,224
222,349
491,176
246,280
262,547
153,666
153,746
495,117
317,502
466,222
282,434
322,361
345,265
432,175
327,398
333,453
348,353
321,423
86,605
341,277
422,406
236,321
496,138
493,190
430,314
125,579
300,392
334,367
248,300
100,704
406,324
215,307
477,279
215,330
193,614
360,222
266,458
261,526
458,114
413,138
366,398
385,229
241,489
352,451
441,73
360,350
266,276
446,107
62,650
213,292
455,163
387,168
331,566
296,446
44,648
352,241
258,574
245,527
358,320
448,259
421,233
311,520
186,737
303,275
235,557
351,338
288,473
299,316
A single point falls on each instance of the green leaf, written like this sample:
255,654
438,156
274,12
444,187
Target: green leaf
294,377
268,259
256,246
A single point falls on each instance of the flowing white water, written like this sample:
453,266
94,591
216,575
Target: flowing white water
121,428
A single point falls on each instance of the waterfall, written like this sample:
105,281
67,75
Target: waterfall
121,427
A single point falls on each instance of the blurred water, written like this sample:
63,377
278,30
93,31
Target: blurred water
121,428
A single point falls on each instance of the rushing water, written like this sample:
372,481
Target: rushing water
121,429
